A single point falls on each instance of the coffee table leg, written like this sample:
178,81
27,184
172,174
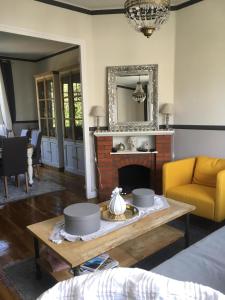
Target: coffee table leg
76,271
37,255
187,230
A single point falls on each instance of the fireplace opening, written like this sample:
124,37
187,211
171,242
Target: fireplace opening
134,176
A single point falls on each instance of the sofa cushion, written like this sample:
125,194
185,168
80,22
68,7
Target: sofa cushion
206,170
203,262
132,284
203,197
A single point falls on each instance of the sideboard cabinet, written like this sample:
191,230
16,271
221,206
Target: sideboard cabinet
50,118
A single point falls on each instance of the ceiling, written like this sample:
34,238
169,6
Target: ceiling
29,48
105,4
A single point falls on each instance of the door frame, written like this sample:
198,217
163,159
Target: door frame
83,67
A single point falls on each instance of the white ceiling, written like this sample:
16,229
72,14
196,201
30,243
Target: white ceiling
104,4
25,47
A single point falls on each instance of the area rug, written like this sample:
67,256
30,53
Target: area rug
20,277
38,188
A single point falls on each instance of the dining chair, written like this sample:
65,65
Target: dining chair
14,160
2,137
24,132
36,136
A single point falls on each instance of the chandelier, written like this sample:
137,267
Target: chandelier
139,95
147,15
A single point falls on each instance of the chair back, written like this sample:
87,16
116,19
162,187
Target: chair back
14,156
24,132
36,142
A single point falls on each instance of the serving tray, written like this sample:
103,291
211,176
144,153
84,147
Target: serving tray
131,211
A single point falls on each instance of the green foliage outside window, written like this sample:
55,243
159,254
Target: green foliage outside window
73,110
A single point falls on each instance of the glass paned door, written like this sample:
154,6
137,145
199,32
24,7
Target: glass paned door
49,89
46,101
72,106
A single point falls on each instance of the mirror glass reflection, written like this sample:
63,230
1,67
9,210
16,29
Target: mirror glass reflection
130,109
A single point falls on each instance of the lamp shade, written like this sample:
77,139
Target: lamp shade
166,109
97,111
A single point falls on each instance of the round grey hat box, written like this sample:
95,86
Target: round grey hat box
82,218
143,197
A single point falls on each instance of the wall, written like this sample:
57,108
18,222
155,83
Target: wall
199,78
60,61
24,88
117,43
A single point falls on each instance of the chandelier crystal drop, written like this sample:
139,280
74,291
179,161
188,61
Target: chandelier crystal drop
139,95
147,16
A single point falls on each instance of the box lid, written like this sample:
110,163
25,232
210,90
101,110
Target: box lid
82,210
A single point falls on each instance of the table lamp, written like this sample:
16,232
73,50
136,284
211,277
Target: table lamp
167,110
98,111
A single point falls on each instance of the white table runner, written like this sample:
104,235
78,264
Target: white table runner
58,234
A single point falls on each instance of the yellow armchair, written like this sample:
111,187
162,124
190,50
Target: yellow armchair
198,181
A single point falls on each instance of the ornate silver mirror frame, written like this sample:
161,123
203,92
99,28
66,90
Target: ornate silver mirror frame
136,70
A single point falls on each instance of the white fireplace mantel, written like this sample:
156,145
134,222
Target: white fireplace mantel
133,133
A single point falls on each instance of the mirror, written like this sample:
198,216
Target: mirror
133,97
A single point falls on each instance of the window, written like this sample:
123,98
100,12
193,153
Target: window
72,106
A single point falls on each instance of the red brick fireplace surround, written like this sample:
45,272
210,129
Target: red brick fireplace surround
108,164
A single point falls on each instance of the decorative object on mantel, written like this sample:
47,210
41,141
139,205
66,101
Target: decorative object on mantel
82,218
120,147
139,95
98,111
132,143
143,197
117,205
114,150
167,110
146,146
147,15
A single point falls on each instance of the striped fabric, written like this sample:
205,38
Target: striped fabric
128,284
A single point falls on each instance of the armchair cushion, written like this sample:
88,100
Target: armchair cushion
203,197
206,170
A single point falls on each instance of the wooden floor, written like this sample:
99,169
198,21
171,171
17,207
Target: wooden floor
15,242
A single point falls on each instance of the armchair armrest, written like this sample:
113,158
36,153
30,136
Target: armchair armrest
177,173
220,197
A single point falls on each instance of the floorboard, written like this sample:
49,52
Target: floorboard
15,242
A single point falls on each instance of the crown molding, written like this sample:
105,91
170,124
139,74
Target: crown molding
39,59
108,11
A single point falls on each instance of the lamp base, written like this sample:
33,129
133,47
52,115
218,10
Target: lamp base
167,121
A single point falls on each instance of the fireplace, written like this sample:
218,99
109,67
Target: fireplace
110,164
134,176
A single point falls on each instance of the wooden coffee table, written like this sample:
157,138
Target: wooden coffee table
128,244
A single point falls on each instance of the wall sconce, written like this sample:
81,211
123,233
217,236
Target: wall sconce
98,111
167,110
